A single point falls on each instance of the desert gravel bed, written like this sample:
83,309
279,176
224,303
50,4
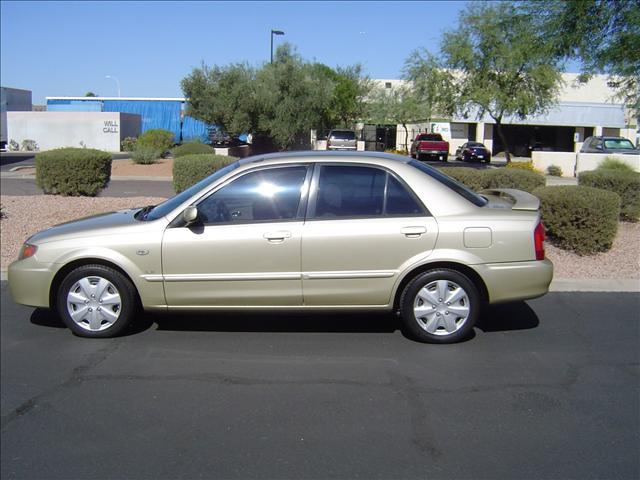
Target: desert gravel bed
25,215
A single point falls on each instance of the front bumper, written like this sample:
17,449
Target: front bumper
507,282
30,282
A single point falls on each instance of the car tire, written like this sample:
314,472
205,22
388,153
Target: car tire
418,156
96,301
440,306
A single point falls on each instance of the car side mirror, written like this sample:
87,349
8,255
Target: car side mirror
190,214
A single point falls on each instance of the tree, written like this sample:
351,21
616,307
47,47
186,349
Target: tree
282,100
90,94
223,96
399,105
499,66
603,34
432,84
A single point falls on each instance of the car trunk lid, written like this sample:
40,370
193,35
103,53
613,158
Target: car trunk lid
510,197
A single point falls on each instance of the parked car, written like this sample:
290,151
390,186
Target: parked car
297,230
473,151
342,140
429,145
601,144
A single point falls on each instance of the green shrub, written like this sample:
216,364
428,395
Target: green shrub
626,184
513,178
472,178
128,144
578,218
192,148
157,138
522,165
554,171
145,155
612,163
190,169
73,171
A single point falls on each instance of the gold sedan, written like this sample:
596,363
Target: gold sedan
300,230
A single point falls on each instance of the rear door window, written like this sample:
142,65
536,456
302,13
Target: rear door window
350,191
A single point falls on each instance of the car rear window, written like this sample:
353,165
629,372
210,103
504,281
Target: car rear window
618,143
430,137
343,135
454,185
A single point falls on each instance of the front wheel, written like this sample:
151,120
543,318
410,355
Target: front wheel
96,301
440,306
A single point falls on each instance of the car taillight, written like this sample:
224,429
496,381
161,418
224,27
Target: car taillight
27,251
538,240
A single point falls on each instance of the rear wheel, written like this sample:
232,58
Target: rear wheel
440,306
96,301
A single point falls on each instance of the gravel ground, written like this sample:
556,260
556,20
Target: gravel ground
25,215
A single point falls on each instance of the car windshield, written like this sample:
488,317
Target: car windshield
343,135
454,185
166,207
473,144
618,144
433,137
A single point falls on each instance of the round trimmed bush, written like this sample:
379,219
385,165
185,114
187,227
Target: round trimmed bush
554,171
145,155
513,178
73,171
624,183
157,138
192,148
579,218
472,178
190,169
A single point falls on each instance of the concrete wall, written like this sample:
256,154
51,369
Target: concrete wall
573,163
100,130
565,160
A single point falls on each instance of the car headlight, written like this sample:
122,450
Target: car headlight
27,251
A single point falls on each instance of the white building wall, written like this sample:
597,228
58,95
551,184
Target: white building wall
100,130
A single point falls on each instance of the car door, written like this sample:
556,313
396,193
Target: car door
364,227
244,250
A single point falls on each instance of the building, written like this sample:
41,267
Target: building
165,113
12,100
583,110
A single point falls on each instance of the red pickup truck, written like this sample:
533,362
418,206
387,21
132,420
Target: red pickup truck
430,145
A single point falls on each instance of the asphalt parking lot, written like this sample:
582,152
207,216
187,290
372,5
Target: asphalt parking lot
545,389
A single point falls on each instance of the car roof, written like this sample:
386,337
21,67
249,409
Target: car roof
324,155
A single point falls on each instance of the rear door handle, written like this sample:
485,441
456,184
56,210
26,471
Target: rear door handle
277,237
413,232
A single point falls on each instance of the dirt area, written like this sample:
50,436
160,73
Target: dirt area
127,168
162,168
25,215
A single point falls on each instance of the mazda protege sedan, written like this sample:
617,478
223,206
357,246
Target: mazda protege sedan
299,230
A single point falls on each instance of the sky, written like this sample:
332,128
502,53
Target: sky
68,48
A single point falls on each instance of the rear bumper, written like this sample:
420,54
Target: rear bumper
30,282
516,280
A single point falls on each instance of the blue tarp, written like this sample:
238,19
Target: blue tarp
193,129
154,113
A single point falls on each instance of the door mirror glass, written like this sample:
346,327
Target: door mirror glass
190,214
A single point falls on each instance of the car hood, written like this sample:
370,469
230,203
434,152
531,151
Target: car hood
95,224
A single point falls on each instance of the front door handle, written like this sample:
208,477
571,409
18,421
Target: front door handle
413,232
277,237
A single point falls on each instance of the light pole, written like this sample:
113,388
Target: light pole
117,82
274,32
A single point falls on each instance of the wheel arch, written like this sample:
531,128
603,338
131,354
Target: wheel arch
459,267
69,267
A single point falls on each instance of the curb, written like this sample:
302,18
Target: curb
559,285
594,285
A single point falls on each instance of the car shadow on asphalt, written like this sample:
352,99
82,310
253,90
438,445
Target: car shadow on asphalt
496,318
